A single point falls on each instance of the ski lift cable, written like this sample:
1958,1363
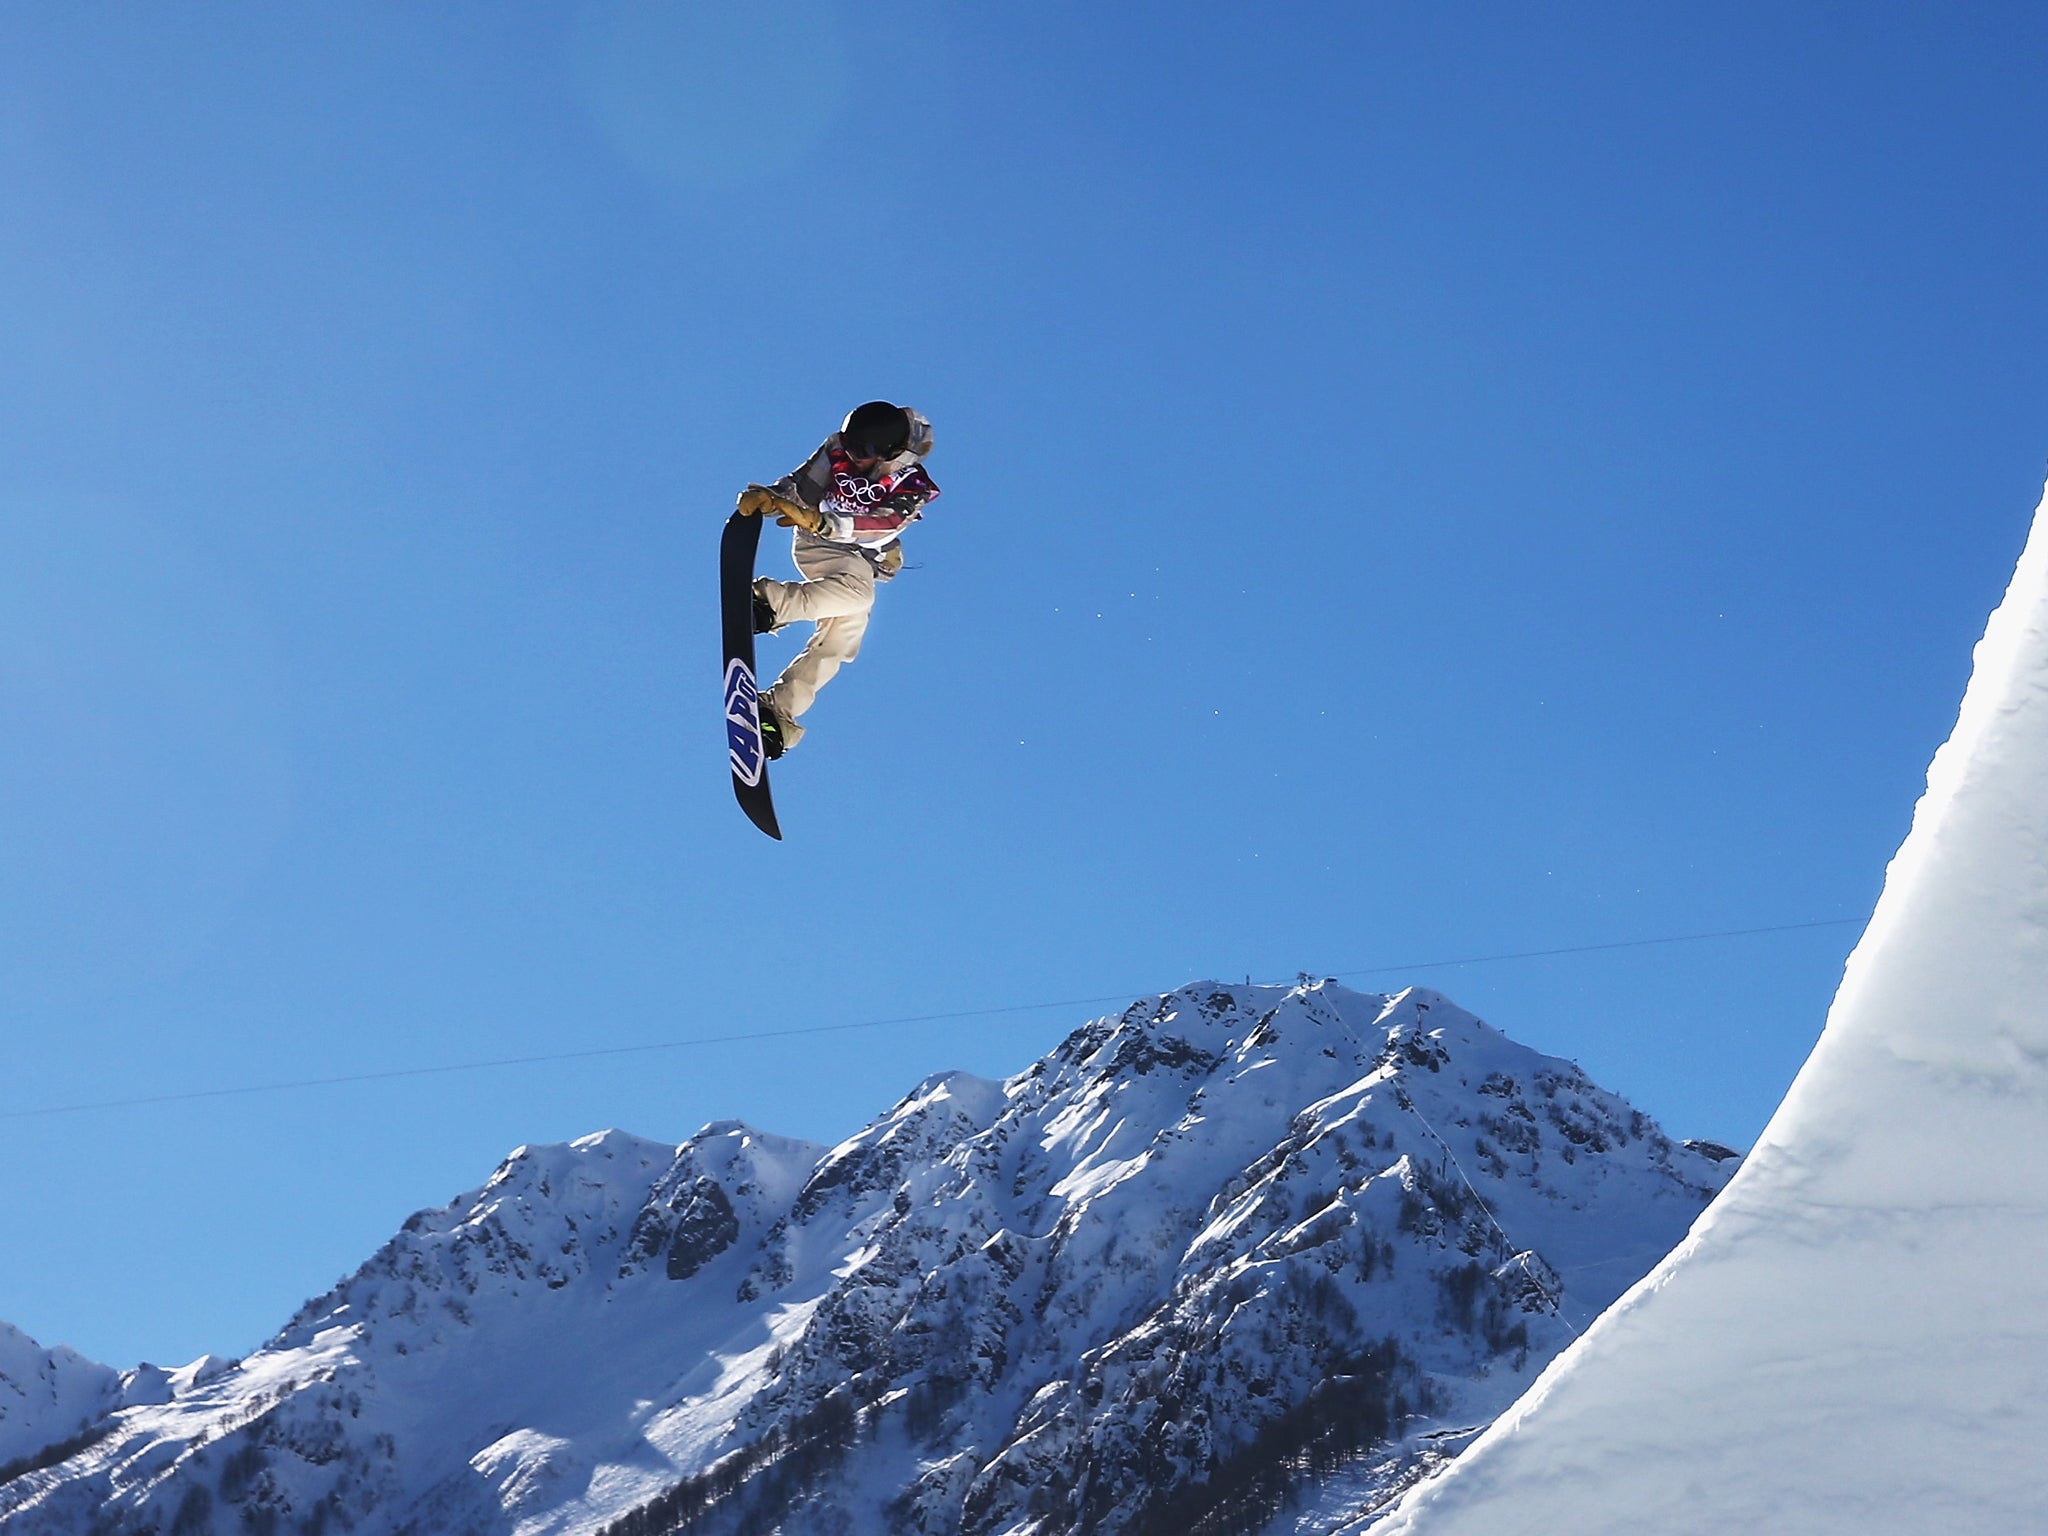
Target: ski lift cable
745,1037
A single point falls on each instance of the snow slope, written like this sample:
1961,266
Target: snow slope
47,1395
1854,1339
1224,1240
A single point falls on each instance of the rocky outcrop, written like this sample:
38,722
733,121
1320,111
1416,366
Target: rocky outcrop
1228,1245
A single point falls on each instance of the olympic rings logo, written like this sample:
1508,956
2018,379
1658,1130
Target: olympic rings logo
858,492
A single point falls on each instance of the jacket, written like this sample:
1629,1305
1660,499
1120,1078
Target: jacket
864,512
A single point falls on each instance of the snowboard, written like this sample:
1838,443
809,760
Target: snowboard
743,746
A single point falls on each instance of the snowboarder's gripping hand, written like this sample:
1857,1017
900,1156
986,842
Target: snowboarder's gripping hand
759,501
794,514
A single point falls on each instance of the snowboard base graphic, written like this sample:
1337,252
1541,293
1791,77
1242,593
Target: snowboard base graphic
743,745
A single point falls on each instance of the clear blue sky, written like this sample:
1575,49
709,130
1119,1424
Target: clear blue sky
1421,481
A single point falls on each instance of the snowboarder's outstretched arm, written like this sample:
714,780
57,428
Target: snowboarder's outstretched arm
826,498
764,501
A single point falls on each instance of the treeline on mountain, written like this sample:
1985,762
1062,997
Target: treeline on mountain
50,1455
771,1473
1354,1410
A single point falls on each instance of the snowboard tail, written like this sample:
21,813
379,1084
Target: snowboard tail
744,747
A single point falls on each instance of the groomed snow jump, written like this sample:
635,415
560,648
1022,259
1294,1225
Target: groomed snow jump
1854,1339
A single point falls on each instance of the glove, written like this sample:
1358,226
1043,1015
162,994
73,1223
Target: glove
889,562
794,514
757,499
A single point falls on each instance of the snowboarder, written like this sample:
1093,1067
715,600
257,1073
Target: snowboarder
849,504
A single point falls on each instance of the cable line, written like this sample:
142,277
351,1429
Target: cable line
1587,949
527,1061
391,1074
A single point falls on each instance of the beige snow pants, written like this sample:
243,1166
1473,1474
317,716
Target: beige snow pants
836,593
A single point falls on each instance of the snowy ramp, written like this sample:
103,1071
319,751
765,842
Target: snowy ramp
1854,1338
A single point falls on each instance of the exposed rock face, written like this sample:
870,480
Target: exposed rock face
1230,1243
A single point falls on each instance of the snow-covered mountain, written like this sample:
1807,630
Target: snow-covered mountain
47,1396
1854,1341
1233,1245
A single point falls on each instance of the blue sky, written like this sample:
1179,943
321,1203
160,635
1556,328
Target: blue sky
1421,482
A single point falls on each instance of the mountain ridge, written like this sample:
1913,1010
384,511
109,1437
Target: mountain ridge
1228,1222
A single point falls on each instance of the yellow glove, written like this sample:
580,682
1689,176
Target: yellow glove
757,499
889,562
794,514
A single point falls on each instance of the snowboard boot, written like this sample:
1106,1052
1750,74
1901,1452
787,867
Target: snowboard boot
776,734
765,622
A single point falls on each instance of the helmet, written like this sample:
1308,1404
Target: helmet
877,428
